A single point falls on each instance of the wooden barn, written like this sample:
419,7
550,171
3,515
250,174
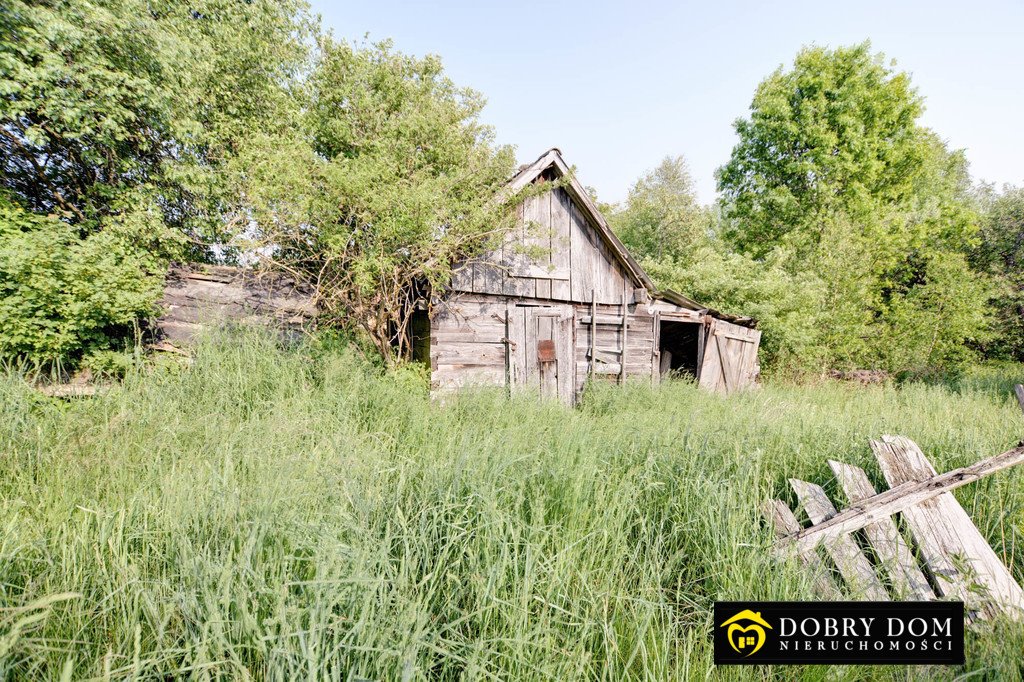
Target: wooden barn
562,300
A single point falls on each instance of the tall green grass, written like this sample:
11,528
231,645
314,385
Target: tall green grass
272,514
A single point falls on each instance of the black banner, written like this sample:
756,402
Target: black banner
808,633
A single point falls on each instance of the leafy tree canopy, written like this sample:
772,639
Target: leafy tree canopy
836,194
839,133
386,180
662,217
117,120
1000,253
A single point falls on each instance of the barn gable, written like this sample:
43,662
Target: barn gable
562,301
561,249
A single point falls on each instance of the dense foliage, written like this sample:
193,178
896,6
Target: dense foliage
1000,253
845,226
117,119
383,183
662,217
133,132
220,130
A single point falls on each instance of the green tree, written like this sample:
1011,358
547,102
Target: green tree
63,295
127,112
662,217
1000,253
388,179
788,306
833,169
836,133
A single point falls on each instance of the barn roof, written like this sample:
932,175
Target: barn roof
552,160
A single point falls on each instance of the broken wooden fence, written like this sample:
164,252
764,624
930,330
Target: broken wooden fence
945,555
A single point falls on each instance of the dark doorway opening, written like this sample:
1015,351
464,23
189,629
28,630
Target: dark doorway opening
419,336
679,345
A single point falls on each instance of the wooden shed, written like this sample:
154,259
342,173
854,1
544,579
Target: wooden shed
562,300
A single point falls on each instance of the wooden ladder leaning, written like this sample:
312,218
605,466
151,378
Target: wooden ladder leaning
944,556
607,360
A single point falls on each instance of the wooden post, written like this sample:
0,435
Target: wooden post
701,333
625,326
656,349
1018,390
593,330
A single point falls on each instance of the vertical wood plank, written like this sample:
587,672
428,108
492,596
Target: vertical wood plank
593,330
541,237
711,362
581,277
514,256
517,319
625,342
561,245
884,536
566,344
547,372
700,351
1018,391
784,523
530,349
850,560
656,350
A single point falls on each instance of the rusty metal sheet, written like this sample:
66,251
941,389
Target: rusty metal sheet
546,351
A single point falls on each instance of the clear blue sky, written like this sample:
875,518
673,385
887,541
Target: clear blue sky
617,86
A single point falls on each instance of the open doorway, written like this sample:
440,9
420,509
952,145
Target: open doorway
679,346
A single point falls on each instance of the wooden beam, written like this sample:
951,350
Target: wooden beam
892,550
896,500
843,549
593,329
625,328
785,523
602,319
1018,390
964,564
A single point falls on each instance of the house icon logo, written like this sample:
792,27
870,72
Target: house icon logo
746,633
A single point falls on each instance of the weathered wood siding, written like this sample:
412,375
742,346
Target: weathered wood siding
640,343
197,297
467,344
553,254
469,333
729,362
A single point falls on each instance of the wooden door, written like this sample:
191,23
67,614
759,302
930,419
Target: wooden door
541,350
729,361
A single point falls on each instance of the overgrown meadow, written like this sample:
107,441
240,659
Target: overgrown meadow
297,514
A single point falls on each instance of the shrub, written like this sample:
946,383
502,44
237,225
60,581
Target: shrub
62,295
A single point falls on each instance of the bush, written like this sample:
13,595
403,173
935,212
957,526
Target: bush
62,295
787,307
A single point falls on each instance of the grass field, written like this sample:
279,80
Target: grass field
296,515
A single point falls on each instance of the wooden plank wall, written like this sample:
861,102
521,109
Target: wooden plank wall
639,337
576,261
198,297
468,331
467,345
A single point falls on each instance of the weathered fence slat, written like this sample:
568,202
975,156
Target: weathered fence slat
785,523
884,535
901,497
946,534
943,541
847,555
